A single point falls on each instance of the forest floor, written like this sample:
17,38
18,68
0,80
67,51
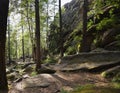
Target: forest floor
77,82
85,82
67,78
81,78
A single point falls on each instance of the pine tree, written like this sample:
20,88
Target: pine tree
37,36
61,33
84,47
3,26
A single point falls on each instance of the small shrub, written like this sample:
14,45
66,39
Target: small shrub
84,89
34,73
63,91
116,85
50,60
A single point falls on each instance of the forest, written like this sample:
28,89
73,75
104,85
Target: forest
47,46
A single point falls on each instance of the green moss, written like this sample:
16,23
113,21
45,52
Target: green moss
97,90
70,50
107,75
85,88
116,81
92,89
116,85
50,60
33,73
107,23
63,91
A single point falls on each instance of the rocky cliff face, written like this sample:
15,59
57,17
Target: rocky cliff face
107,22
72,24
72,15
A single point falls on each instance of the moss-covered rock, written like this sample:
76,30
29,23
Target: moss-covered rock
92,89
95,61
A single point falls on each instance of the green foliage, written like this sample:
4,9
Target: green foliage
54,37
116,85
86,89
106,23
118,39
70,50
25,9
97,6
116,81
113,2
63,91
78,27
116,78
34,73
93,89
73,44
108,75
50,60
90,23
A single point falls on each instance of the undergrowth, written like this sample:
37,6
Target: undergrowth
92,89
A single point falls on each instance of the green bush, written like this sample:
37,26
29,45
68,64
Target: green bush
106,23
50,60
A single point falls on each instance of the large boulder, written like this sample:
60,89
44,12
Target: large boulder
46,69
89,61
13,76
28,69
43,83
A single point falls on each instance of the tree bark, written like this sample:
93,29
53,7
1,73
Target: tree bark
23,44
9,51
37,36
16,46
30,28
47,14
3,26
84,47
61,32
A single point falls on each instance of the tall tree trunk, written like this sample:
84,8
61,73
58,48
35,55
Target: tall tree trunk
37,36
30,27
32,39
16,48
61,32
3,26
47,14
54,1
23,56
9,57
84,46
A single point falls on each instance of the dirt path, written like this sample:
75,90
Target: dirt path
72,79
68,81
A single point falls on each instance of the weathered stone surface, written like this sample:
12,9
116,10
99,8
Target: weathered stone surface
46,69
27,64
43,83
28,69
13,76
72,15
11,69
88,60
99,50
